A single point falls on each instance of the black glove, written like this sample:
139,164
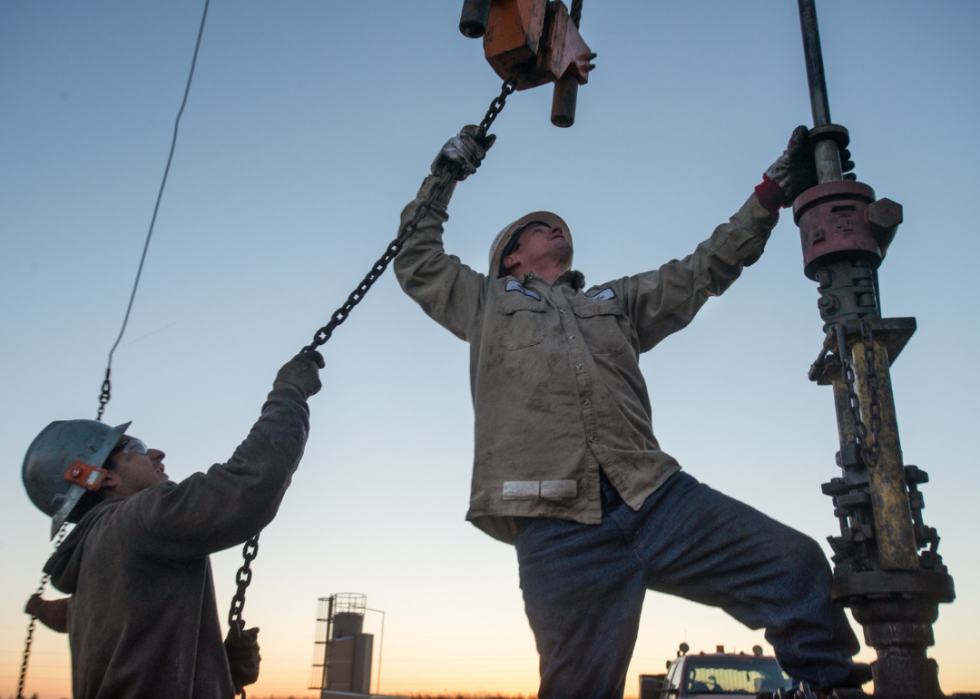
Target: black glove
303,373
462,154
52,613
795,171
242,649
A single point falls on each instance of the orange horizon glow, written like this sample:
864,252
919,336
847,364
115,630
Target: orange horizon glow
410,669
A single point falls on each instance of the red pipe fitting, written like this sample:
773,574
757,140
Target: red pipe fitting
842,219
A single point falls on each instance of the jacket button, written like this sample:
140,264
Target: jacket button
585,401
592,439
571,337
562,312
579,367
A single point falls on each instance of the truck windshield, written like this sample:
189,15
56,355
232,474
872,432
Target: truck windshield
748,675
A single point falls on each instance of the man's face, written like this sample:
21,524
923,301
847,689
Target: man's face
541,244
130,470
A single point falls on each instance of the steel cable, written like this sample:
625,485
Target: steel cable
106,394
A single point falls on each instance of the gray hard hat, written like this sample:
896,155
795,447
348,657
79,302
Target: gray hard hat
53,453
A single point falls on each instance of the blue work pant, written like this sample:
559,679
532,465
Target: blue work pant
584,585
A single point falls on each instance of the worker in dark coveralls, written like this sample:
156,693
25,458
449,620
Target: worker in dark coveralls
142,620
567,467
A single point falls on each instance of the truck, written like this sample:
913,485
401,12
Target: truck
720,675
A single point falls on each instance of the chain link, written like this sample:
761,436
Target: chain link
408,230
33,623
869,442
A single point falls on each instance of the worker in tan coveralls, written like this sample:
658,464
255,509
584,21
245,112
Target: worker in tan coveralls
566,465
142,619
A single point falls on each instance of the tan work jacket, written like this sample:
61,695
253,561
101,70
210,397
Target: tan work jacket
554,372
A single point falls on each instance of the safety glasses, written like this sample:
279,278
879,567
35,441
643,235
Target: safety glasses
131,445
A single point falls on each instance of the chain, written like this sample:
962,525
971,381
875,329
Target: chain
106,394
869,442
33,623
506,90
408,230
251,550
874,445
244,578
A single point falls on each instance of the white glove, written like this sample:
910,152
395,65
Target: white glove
462,154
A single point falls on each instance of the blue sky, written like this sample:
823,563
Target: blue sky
309,126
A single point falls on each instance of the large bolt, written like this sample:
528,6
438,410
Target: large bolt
827,304
885,213
825,277
884,216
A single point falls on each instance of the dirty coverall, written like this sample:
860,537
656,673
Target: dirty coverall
142,620
567,468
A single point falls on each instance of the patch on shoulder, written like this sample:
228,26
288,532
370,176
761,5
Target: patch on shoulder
514,285
604,295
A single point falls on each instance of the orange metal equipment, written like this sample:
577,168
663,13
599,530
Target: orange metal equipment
538,40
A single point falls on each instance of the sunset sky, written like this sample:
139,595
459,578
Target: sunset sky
309,126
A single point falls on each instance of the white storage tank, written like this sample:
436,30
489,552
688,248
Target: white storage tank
342,664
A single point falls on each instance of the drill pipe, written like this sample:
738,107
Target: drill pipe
826,150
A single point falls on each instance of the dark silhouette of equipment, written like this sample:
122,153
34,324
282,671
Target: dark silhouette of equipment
342,651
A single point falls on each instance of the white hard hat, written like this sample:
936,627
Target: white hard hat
503,238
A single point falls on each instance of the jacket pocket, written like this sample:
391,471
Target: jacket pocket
601,325
523,321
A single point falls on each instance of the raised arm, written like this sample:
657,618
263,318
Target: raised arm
665,300
450,292
232,502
